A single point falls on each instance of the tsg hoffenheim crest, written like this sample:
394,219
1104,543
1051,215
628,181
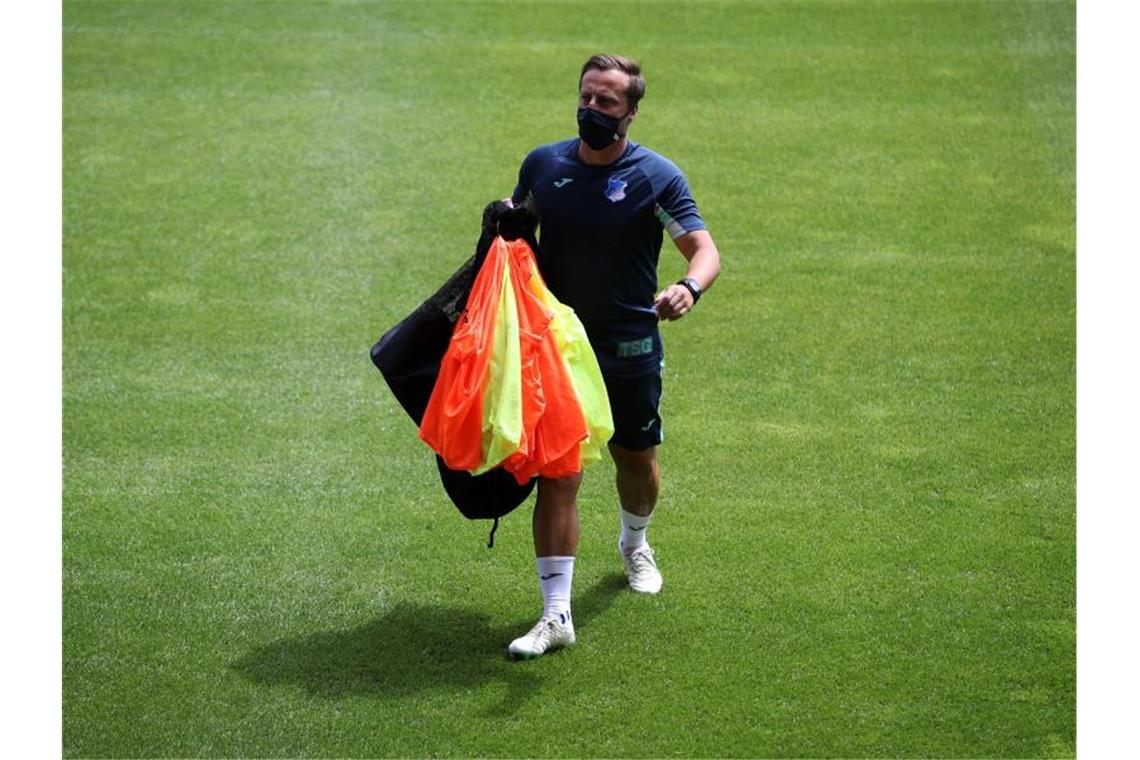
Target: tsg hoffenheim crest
615,189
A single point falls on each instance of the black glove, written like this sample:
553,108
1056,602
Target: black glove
511,222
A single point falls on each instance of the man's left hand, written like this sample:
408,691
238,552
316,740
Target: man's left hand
674,302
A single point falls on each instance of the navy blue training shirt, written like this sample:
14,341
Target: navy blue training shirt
600,233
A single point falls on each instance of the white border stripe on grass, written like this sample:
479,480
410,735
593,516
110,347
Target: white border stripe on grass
1107,418
31,298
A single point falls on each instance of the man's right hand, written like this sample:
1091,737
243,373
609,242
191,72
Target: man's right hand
510,221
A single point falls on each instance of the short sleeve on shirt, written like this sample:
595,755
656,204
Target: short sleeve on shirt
676,209
527,170
523,186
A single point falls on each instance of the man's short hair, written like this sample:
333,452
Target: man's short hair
605,62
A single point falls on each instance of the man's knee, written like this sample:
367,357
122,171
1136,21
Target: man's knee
559,491
635,464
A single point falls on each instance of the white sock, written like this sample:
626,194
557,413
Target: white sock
555,576
633,529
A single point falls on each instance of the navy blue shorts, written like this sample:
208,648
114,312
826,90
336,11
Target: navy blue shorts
635,403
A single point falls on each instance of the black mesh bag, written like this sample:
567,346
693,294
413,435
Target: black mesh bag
408,357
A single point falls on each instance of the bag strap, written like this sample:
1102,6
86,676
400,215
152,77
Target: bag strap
491,538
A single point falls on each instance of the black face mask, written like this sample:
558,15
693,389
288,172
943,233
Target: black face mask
597,129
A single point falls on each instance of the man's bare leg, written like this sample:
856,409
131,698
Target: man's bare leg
555,523
638,479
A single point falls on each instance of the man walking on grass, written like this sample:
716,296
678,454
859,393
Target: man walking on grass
604,203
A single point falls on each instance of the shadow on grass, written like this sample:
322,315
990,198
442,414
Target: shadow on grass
414,648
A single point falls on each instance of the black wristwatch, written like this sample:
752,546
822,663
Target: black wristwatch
692,286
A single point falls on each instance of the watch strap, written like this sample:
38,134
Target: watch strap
692,286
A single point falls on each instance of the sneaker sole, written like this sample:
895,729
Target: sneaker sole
532,656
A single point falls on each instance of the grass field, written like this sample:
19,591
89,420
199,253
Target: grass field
868,515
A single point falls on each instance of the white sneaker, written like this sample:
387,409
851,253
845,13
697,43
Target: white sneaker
641,567
550,632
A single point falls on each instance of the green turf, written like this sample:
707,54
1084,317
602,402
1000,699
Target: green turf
867,523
